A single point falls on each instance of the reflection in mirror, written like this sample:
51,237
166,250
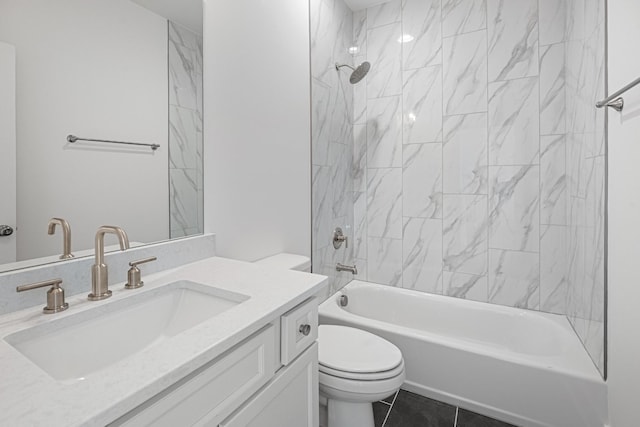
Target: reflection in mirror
118,70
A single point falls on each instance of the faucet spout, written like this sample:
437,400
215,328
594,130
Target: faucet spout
352,268
99,272
66,236
123,239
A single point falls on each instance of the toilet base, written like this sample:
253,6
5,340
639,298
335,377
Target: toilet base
349,414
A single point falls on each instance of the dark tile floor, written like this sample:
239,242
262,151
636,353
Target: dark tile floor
407,409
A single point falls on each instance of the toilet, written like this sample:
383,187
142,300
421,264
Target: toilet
356,367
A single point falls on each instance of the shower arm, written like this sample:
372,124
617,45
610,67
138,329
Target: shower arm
338,66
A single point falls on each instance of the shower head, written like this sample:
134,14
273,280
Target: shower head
358,72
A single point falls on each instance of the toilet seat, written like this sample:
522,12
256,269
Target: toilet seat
370,376
355,354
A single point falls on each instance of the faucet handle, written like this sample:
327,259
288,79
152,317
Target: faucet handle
55,295
134,276
338,238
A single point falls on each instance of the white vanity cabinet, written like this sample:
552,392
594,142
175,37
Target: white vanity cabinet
269,379
290,400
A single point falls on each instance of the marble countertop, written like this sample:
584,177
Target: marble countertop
29,396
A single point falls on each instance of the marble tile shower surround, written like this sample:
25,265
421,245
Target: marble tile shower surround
585,172
477,166
332,136
76,273
185,132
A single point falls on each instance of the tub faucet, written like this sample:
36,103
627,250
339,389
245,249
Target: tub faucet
99,273
351,268
66,236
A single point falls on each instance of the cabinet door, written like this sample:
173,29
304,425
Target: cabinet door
213,391
289,400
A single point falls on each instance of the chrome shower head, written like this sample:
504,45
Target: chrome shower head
358,73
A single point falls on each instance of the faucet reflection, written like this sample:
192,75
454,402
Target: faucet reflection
66,236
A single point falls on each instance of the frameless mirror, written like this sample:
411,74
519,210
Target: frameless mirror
115,70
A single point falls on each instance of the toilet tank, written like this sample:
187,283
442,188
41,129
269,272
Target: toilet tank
287,261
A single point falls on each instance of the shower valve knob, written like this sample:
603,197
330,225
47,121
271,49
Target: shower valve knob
6,230
338,238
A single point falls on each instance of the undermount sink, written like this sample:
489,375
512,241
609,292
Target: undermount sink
76,346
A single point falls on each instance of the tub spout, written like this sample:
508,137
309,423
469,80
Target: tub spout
351,268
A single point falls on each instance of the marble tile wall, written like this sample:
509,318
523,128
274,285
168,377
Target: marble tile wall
450,199
333,132
185,132
478,159
585,145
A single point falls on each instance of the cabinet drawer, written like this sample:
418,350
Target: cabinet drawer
213,391
299,330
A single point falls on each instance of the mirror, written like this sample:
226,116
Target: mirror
116,70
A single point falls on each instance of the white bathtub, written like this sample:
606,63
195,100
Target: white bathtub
520,366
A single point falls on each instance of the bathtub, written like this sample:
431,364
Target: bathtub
523,367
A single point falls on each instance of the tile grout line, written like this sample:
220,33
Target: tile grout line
540,165
390,408
567,196
402,155
442,137
489,188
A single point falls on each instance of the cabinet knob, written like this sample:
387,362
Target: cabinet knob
305,329
6,230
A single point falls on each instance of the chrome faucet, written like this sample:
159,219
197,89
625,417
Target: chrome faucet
66,236
99,273
352,268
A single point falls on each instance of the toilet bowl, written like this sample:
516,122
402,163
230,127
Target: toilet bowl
356,367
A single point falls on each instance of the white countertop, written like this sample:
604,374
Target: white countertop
29,396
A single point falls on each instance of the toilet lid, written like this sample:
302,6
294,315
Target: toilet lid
353,350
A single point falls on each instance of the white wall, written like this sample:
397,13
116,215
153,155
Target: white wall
257,130
63,48
8,149
624,211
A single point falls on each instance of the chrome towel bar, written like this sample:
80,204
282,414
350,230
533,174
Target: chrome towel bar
614,100
73,138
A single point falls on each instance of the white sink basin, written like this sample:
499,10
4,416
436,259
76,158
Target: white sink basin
74,347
